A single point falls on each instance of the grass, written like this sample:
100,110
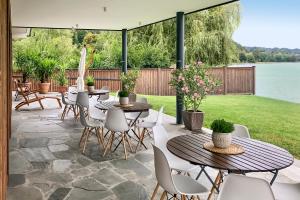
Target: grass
269,120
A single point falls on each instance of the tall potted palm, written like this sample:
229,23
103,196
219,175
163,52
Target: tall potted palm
23,64
193,83
44,70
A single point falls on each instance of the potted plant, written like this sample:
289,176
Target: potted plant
222,130
44,70
128,81
90,82
193,83
24,65
123,97
62,81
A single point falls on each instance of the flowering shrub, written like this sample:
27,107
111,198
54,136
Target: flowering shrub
128,80
194,83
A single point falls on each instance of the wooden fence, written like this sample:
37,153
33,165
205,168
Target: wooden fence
155,81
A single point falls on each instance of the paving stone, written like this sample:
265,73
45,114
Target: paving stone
46,177
37,154
40,165
58,147
18,164
45,187
130,190
133,165
81,172
80,194
24,193
57,141
89,184
59,194
69,154
83,160
33,142
13,143
144,157
15,180
108,177
61,165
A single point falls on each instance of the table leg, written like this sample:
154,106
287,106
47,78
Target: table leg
208,177
274,177
132,125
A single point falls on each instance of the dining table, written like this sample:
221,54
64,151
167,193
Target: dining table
258,156
136,107
94,93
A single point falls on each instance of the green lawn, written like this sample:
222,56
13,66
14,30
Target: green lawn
273,121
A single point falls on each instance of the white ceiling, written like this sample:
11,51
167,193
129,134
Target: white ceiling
90,14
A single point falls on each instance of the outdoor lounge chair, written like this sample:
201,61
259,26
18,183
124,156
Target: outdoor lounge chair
31,96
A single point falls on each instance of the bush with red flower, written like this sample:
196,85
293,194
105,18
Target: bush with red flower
194,83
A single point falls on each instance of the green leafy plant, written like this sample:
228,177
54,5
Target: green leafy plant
128,80
221,126
44,68
90,81
61,78
23,63
193,83
123,93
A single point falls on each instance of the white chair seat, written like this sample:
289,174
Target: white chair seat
286,191
146,124
69,102
94,123
97,114
187,185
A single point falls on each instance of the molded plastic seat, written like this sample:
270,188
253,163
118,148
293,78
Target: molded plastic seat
174,184
134,115
105,96
237,187
286,191
241,131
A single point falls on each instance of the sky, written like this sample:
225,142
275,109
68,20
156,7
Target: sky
269,23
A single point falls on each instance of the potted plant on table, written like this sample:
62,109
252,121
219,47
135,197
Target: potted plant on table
62,81
193,83
128,81
222,130
90,82
44,70
123,97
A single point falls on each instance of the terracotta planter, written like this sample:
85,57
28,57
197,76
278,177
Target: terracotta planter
124,100
193,120
62,89
221,140
91,88
132,97
44,88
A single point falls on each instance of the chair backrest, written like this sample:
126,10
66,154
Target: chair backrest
83,115
240,131
72,93
116,120
237,187
143,114
83,99
116,98
160,136
163,171
160,116
63,98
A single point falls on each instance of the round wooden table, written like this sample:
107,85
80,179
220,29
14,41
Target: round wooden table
258,156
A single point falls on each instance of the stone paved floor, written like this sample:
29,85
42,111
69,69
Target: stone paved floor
45,162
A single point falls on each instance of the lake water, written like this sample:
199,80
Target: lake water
278,81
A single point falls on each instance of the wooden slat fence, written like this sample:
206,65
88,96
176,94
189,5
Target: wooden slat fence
155,81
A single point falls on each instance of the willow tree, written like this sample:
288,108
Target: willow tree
209,35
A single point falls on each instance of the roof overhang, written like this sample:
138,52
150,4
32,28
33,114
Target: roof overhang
101,14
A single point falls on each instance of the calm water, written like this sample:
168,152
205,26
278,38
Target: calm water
278,81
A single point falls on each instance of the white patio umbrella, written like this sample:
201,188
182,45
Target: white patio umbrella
81,71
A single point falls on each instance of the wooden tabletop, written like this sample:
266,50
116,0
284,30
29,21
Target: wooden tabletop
258,157
136,106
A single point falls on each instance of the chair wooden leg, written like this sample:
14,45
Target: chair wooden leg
217,182
155,191
99,138
40,102
164,194
82,137
141,135
112,140
63,115
86,139
124,145
108,144
129,143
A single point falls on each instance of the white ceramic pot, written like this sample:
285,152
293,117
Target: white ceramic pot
124,100
221,140
91,88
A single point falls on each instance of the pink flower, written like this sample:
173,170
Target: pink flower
196,95
201,82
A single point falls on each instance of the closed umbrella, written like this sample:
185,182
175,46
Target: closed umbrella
81,71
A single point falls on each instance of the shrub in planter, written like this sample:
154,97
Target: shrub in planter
23,63
90,82
222,130
123,97
128,81
193,83
62,80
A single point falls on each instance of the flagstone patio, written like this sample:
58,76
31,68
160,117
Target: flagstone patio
45,161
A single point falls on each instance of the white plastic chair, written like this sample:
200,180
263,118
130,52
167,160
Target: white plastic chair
241,131
286,191
105,96
147,126
133,115
116,123
176,184
237,187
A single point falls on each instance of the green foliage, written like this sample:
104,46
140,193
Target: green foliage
128,80
61,78
45,68
194,83
123,93
221,126
90,81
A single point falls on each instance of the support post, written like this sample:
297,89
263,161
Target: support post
180,61
124,50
